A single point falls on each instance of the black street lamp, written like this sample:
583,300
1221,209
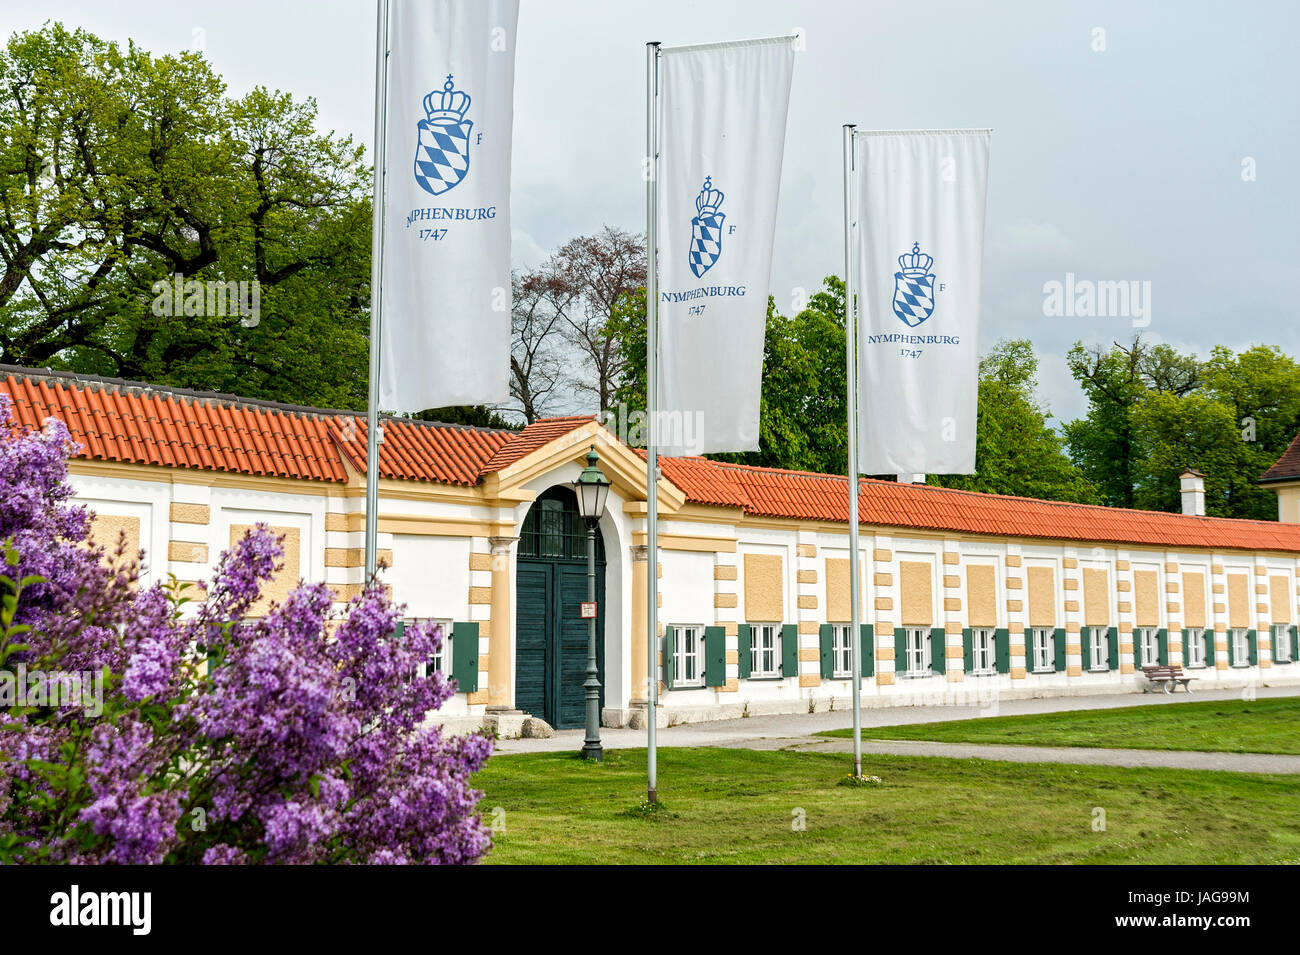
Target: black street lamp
592,487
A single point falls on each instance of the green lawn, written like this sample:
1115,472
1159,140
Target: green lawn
725,805
1231,726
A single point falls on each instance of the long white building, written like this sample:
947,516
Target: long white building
965,596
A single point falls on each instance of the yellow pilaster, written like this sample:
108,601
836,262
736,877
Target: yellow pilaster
640,592
500,693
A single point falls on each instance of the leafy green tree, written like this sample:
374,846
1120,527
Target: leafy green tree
803,423
1232,428
120,170
1016,450
1175,432
627,327
1114,380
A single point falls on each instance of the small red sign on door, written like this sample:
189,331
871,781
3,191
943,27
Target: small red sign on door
589,610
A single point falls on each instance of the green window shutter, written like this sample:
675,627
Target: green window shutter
1232,650
743,649
868,649
1085,648
1002,650
1058,644
1112,645
968,649
715,656
1208,636
1252,647
789,649
1295,648
670,638
938,650
399,630
900,649
826,633
1162,647
464,655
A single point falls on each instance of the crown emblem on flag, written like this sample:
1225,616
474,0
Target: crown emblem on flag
706,229
448,106
709,199
914,287
442,154
917,264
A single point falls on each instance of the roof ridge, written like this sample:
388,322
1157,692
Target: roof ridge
400,419
1286,469
730,465
120,420
146,389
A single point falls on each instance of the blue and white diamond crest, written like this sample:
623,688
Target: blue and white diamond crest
442,155
914,287
706,229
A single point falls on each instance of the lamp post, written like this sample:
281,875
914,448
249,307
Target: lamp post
592,487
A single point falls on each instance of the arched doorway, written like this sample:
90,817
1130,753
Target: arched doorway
551,636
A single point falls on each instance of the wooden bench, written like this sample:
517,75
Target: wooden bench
1168,678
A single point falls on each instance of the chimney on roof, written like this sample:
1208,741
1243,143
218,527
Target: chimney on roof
1192,484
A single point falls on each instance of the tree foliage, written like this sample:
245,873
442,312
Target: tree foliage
1016,450
1114,380
1154,412
588,276
119,170
1232,427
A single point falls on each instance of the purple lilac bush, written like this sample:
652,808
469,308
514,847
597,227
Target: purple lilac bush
294,738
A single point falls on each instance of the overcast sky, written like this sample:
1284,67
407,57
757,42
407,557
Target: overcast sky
1118,164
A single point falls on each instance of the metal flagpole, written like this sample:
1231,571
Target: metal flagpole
376,292
652,407
850,360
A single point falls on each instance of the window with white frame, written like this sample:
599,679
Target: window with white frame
764,650
1194,644
688,656
1240,648
440,660
1148,647
1283,652
984,651
1044,648
918,651
841,650
1098,650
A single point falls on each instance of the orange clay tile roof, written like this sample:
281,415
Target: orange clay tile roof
138,424
704,482
1287,467
141,424
807,496
420,451
534,436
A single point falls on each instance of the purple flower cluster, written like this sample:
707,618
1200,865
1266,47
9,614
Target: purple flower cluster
300,736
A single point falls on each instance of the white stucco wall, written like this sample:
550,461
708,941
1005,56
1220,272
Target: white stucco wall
432,574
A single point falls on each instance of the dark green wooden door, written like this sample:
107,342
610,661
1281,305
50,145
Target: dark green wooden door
551,638
532,613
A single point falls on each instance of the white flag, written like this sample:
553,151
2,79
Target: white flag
446,270
920,250
723,109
